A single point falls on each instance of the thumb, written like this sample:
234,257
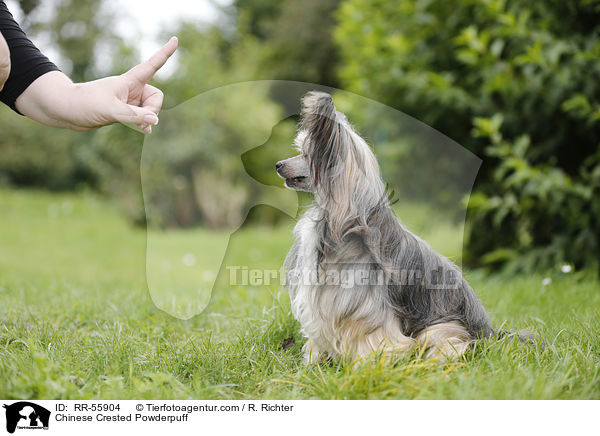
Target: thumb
129,114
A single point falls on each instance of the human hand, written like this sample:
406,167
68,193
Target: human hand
4,61
127,98
54,100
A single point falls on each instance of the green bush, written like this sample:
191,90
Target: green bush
539,216
535,64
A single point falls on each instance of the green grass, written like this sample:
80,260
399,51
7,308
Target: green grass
77,321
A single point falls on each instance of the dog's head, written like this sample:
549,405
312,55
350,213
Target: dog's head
322,142
334,163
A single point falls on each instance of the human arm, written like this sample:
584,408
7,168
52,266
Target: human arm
36,88
4,61
53,99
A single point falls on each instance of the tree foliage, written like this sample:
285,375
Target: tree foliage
533,65
296,38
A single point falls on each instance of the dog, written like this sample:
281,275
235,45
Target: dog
359,281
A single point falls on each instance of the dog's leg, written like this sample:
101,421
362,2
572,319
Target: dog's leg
393,345
444,341
358,344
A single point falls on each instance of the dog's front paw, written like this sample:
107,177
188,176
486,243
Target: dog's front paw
312,353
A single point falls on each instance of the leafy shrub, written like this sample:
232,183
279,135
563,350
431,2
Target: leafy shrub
536,64
539,216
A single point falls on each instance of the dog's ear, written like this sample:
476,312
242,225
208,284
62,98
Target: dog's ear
318,116
324,130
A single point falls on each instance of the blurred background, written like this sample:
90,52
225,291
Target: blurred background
517,83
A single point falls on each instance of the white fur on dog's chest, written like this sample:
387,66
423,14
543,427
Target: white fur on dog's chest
303,290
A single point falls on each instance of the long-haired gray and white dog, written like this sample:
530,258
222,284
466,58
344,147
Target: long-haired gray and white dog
360,282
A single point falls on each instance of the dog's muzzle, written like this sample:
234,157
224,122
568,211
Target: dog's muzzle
292,171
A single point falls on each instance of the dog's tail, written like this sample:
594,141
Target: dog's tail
525,336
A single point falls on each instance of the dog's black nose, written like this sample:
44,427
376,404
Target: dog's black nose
278,165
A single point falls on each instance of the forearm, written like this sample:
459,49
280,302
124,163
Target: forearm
51,100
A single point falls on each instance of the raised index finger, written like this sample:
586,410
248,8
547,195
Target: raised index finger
144,71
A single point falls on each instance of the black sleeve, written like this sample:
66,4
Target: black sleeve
27,63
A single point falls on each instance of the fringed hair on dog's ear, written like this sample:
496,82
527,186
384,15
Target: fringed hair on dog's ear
319,119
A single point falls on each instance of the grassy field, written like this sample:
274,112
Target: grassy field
77,321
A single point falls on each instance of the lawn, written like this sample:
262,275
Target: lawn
77,321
